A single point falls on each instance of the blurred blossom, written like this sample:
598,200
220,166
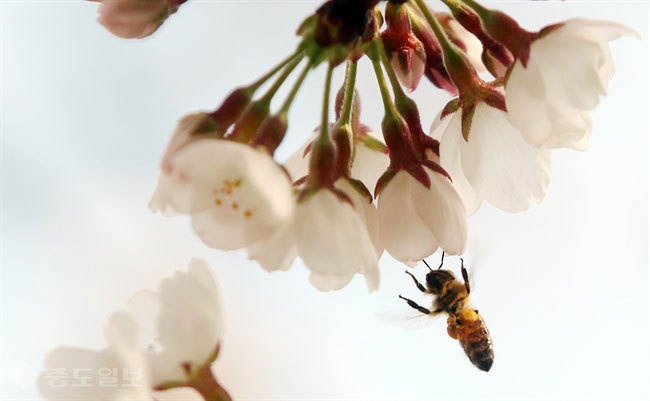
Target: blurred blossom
163,337
131,19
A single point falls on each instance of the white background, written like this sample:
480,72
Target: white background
86,116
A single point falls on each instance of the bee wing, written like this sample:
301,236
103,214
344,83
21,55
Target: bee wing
406,320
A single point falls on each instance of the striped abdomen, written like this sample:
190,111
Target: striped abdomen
470,330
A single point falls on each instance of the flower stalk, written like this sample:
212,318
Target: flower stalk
251,120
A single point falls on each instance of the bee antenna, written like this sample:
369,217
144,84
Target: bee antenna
426,264
442,260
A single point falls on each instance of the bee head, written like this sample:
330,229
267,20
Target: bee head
436,280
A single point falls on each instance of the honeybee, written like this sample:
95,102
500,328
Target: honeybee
464,323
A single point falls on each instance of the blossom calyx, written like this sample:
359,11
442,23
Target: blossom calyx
272,132
504,29
421,141
472,92
402,154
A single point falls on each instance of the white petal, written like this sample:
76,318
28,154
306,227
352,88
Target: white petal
450,160
367,212
238,195
474,48
598,30
441,208
368,165
401,229
570,67
543,123
278,251
332,239
181,137
298,163
190,320
500,165
173,195
65,365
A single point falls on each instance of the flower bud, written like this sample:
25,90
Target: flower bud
271,132
434,68
405,51
131,19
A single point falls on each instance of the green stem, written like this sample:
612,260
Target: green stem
324,123
255,85
392,76
350,82
444,41
294,90
280,80
389,107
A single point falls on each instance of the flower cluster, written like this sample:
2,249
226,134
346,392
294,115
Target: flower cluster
161,347
348,194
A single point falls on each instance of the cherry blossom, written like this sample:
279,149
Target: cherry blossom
161,337
414,221
236,195
569,68
495,163
337,239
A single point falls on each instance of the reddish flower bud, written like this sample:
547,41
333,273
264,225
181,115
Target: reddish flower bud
434,68
271,132
231,108
322,164
405,51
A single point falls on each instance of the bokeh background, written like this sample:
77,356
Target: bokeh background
86,116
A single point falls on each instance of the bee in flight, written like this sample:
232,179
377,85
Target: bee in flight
464,323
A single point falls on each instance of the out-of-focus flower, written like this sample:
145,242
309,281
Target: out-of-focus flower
569,67
495,163
414,220
236,195
164,339
132,19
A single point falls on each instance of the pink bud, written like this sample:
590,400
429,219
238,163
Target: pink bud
135,18
434,67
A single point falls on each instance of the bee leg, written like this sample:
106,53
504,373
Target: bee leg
465,275
417,283
413,305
